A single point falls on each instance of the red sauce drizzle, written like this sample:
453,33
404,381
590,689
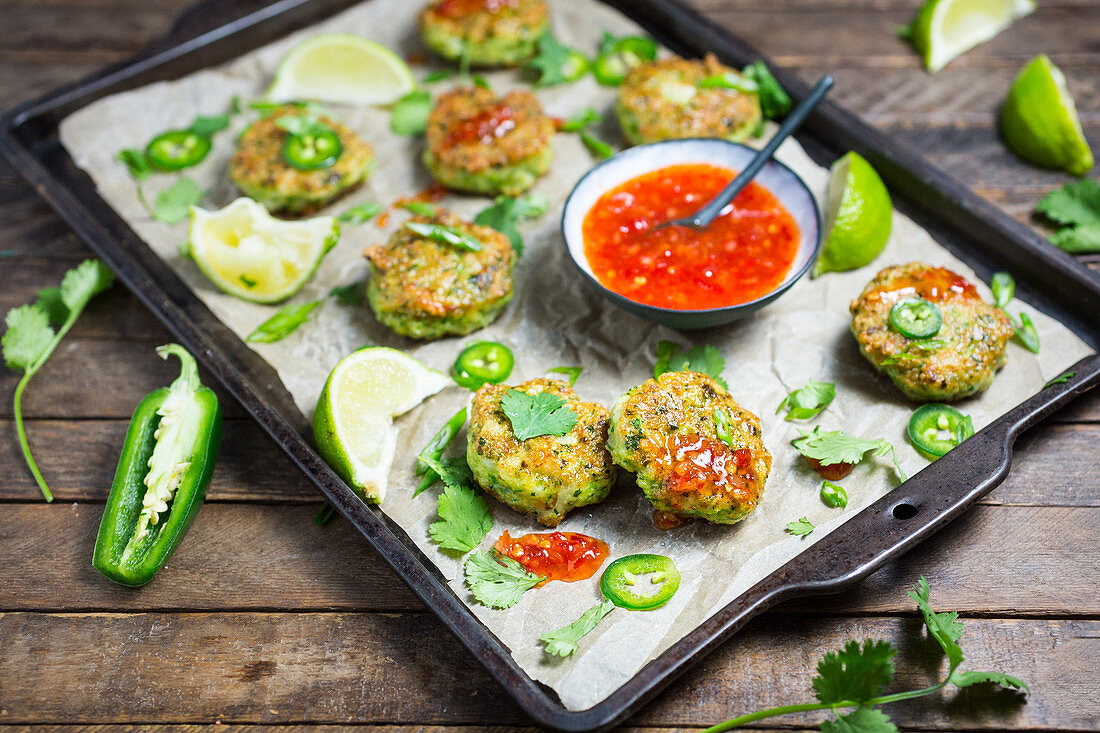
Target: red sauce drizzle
462,8
430,195
667,520
745,254
699,463
487,125
564,556
935,284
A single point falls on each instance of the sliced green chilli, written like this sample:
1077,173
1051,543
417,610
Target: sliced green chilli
177,149
620,56
483,362
625,581
313,150
935,429
916,318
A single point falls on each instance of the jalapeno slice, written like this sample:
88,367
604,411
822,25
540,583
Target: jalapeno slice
484,362
619,57
177,149
916,318
313,150
624,582
935,429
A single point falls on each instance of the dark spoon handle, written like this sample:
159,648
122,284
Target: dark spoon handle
704,216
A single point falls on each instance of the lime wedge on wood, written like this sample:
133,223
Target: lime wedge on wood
945,29
858,216
353,423
1039,120
341,68
247,252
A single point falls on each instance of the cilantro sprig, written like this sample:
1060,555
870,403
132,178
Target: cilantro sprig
464,517
808,401
835,446
497,581
409,115
1075,209
30,337
855,677
544,413
432,453
555,63
564,641
671,357
506,212
800,527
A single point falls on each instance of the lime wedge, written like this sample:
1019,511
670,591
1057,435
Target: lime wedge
341,68
858,216
1039,120
247,252
353,423
945,29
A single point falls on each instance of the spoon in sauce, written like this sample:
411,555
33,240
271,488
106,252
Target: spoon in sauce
702,218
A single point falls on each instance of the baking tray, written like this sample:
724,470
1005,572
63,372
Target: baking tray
974,230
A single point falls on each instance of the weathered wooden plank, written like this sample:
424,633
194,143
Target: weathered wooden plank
260,667
1043,561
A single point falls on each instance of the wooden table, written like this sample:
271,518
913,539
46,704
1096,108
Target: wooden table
262,617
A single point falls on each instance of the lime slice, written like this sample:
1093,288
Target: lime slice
1039,120
353,423
248,253
341,68
857,216
945,29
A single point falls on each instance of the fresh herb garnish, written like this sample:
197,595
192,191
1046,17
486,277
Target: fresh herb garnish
723,427
285,321
30,338
348,294
774,100
671,357
444,235
464,517
735,81
173,204
1061,379
438,75
800,527
360,214
572,372
581,123
308,123
497,581
1076,209
596,146
540,414
420,208
432,453
324,515
563,642
855,677
1004,287
505,213
581,120
833,495
409,115
555,63
911,350
206,126
808,401
137,163
835,446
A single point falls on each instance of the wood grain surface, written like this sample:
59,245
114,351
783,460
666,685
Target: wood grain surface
263,618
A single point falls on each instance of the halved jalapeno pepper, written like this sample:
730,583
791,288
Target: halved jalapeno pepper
619,56
935,429
484,362
177,149
916,318
313,150
624,582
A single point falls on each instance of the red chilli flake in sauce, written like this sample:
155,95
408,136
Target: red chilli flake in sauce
700,463
564,556
744,255
935,284
484,127
463,8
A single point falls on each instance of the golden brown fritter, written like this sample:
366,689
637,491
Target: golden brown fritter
488,32
960,360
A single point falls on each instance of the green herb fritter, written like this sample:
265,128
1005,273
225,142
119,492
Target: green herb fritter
425,289
694,450
260,169
484,144
961,359
669,99
547,476
487,32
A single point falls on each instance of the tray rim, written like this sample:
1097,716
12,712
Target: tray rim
982,461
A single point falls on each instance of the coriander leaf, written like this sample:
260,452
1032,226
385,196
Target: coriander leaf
966,679
800,528
1074,204
324,515
348,294
904,32
82,283
505,213
705,358
572,372
563,642
409,115
854,673
420,208
444,235
205,126
861,720
1061,379
464,519
540,414
137,163
774,100
360,214
1078,240
285,321
1004,287
808,401
1026,334
835,446
27,337
174,203
555,63
439,75
480,81
944,627
497,581
432,453
580,120
596,146
49,300
665,351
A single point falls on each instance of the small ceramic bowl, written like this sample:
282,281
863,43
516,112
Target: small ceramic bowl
784,183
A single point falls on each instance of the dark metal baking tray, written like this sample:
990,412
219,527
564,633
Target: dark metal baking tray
973,229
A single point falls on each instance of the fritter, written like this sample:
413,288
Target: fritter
547,476
662,100
958,361
489,32
426,289
259,169
695,451
484,144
